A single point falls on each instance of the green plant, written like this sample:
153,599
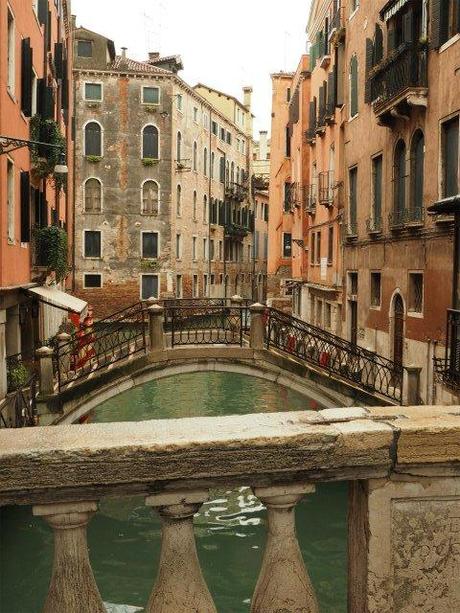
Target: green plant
94,159
52,249
150,108
149,161
17,376
151,265
44,159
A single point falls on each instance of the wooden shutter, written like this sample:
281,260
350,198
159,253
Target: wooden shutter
331,92
339,68
391,39
43,12
369,64
378,44
25,207
26,77
48,32
312,124
354,86
437,36
59,60
47,109
321,105
408,26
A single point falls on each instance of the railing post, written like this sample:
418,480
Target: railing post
179,585
63,340
45,357
411,386
72,587
257,336
283,584
156,331
236,301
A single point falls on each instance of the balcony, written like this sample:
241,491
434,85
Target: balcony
310,199
337,26
236,191
326,188
310,134
411,219
399,83
351,230
374,225
236,231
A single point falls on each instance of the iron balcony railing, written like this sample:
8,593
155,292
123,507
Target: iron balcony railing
400,218
337,21
351,229
334,354
325,188
374,225
447,369
404,68
236,191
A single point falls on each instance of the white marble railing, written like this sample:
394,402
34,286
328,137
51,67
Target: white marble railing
403,465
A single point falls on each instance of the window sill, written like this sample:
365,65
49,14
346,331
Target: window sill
95,259
375,308
415,314
449,43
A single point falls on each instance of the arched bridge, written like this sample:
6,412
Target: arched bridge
149,341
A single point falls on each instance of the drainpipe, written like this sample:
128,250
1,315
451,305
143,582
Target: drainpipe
211,172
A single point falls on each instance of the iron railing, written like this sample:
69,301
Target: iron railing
413,216
404,68
447,369
333,354
169,304
208,325
95,347
19,408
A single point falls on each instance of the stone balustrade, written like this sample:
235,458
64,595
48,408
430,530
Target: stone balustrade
402,465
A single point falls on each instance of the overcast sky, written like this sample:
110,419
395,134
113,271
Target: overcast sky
226,45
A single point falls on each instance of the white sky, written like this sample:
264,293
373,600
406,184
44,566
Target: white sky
224,44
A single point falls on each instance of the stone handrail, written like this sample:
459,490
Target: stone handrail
403,464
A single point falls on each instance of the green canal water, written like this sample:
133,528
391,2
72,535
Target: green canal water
124,537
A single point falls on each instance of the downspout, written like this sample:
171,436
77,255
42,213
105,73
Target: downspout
211,172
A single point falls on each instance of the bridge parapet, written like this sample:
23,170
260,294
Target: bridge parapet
403,465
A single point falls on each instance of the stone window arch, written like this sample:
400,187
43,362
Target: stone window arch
93,139
150,197
150,142
93,195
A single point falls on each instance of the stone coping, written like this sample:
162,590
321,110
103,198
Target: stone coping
61,463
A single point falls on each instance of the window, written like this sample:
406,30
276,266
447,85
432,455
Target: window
220,250
399,178
213,161
288,94
93,92
178,286
288,141
330,245
449,144
353,199
180,102
222,169
318,247
222,134
11,200
287,245
178,246
179,201
205,285
417,172
195,157
194,205
93,139
256,246
149,245
445,21
205,248
194,242
205,209
415,303
206,121
377,166
215,128
34,93
211,249
92,281
150,198
150,143
179,147
84,48
150,95
353,86
354,5
353,283
93,196
328,315
149,286
229,138
205,162
195,114
313,248
376,289
92,244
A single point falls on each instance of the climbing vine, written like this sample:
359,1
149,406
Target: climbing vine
44,159
52,248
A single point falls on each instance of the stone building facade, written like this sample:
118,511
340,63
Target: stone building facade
164,204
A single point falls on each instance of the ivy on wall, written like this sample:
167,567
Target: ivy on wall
44,159
52,248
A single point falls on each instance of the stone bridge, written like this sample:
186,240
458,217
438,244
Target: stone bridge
159,342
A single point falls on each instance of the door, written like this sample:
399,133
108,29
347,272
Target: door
398,332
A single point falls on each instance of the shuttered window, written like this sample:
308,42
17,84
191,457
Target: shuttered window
150,198
377,166
26,77
417,171
43,11
331,92
150,143
149,286
25,207
149,245
445,21
399,177
93,139
353,86
92,244
59,60
450,157
353,186
370,53
93,196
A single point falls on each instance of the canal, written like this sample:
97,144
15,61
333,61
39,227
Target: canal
124,537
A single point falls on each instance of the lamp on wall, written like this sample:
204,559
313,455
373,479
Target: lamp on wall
9,144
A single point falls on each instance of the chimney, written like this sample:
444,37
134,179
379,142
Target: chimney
263,145
247,97
154,56
123,52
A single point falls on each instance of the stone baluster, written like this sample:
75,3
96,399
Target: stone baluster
156,328
257,338
72,587
45,357
180,585
284,584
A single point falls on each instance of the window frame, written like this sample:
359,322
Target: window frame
11,52
178,247
85,125
86,211
143,157
93,274
442,189
101,99
148,274
149,258
143,102
149,180
89,42
372,274
101,249
411,312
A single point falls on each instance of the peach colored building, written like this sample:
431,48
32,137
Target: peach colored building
35,69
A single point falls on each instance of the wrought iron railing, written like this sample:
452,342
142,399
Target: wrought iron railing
404,68
447,369
19,408
414,216
337,21
337,356
207,325
169,304
106,342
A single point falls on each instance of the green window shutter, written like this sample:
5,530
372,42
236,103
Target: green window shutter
42,11
26,77
339,72
437,36
331,92
25,207
408,26
59,60
354,86
370,51
378,44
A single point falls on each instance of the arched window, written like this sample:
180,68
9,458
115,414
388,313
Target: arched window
195,157
93,139
179,146
205,209
205,162
417,156
93,196
353,86
179,200
399,178
150,198
150,143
